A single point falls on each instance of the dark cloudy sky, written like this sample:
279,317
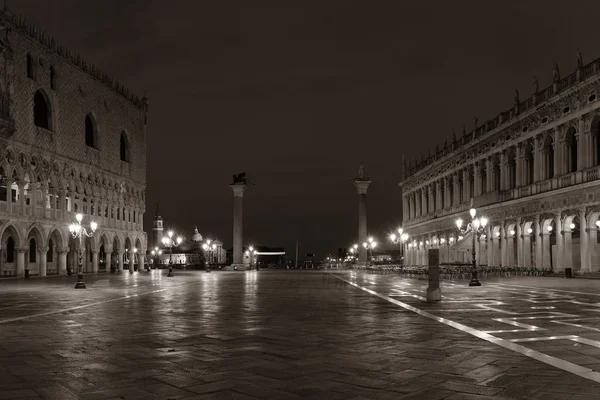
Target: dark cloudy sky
298,93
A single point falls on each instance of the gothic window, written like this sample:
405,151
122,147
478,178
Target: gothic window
30,67
571,141
50,256
53,78
10,250
442,195
125,151
91,135
461,189
41,111
3,187
32,250
433,205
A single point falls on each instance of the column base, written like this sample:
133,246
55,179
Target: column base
236,267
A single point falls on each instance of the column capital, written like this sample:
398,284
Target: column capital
362,186
21,249
238,190
62,250
42,249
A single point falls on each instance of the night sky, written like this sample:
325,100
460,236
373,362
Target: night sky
297,94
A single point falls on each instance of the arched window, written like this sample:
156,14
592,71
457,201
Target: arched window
32,251
471,183
451,191
41,111
529,165
497,175
30,67
91,137
571,141
50,255
3,187
53,78
10,250
125,156
483,177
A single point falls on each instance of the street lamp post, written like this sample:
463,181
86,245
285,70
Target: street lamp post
79,232
400,239
209,247
251,253
370,244
476,227
169,242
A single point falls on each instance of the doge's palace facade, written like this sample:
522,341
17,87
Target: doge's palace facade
533,171
72,140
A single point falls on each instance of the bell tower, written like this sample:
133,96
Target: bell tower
157,229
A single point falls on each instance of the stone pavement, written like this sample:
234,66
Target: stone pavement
268,334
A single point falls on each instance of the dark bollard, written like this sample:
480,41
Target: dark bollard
26,274
434,293
568,273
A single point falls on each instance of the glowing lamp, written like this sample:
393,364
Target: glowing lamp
459,223
79,217
473,212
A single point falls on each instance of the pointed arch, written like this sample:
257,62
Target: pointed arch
30,66
91,131
42,110
125,151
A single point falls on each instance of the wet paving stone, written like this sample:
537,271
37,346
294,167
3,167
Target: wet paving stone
249,335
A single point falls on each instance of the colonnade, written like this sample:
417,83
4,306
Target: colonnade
565,149
566,239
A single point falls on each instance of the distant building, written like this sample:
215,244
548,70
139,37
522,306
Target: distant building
381,258
191,251
72,140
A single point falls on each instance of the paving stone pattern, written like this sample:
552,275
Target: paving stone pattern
247,335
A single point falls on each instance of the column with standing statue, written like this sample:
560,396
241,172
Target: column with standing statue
238,186
362,183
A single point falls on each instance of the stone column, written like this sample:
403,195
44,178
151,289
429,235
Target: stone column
568,247
456,186
592,246
489,167
557,153
361,188
424,200
518,166
20,261
526,249
107,258
536,159
538,243
62,260
503,246
131,262
141,261
496,255
238,231
489,244
559,244
586,259
466,185
519,242
94,261
121,263
582,145
476,179
43,260
547,251
503,172
447,199
430,200
21,186
439,199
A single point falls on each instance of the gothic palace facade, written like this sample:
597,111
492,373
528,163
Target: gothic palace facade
72,140
533,171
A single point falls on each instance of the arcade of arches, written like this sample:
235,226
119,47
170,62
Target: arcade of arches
53,251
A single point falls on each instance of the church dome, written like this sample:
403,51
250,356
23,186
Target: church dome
196,237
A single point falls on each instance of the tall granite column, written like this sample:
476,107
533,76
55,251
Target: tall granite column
362,186
238,207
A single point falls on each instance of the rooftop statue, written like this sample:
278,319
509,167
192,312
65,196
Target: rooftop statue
556,74
536,85
361,174
579,59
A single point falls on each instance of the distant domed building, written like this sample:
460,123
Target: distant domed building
191,252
